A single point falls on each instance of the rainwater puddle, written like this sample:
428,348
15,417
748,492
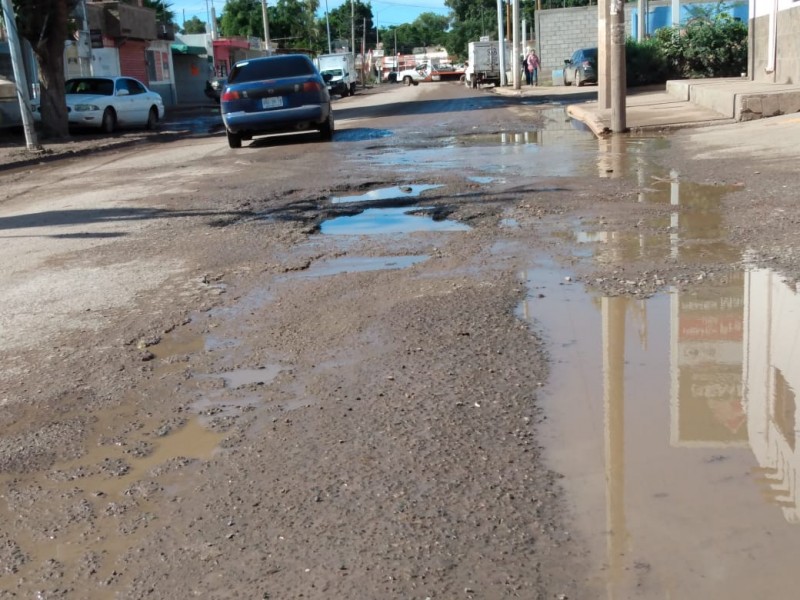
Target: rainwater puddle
674,421
358,264
376,221
390,193
556,150
690,230
481,180
243,377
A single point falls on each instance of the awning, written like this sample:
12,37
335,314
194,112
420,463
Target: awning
178,48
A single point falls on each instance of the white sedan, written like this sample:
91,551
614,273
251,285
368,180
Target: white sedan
111,102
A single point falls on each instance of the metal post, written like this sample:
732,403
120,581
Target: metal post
20,77
328,25
515,68
618,74
266,27
501,42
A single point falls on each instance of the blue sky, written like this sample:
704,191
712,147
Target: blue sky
387,13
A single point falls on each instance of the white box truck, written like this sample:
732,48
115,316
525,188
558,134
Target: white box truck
342,70
484,63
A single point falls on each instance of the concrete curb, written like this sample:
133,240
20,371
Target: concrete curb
588,118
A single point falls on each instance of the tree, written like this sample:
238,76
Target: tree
242,18
194,25
341,22
46,25
163,13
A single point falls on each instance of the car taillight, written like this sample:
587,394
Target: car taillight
309,86
228,96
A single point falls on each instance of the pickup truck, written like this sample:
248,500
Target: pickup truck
415,75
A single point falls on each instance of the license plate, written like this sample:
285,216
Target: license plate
274,102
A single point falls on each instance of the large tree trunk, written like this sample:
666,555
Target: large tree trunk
44,25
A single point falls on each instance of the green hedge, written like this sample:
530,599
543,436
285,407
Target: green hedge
702,48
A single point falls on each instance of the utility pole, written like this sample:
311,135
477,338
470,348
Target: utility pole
515,68
352,27
266,27
501,44
603,54
328,25
618,73
20,78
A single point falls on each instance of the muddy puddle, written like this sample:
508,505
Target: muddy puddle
674,419
359,264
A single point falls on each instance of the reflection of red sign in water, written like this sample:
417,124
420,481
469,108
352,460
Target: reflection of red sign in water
711,403
720,327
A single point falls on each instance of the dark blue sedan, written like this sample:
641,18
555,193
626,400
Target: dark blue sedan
275,94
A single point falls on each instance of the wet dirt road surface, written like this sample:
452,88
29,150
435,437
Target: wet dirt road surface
463,351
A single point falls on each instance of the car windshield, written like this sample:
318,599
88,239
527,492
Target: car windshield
94,87
271,68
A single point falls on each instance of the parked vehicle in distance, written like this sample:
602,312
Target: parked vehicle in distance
484,63
275,94
342,70
414,75
581,68
214,87
110,102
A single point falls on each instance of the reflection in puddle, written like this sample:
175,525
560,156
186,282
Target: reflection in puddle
357,264
502,138
681,426
692,230
391,193
375,221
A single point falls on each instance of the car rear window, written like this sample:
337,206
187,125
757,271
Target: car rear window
271,68
590,53
95,87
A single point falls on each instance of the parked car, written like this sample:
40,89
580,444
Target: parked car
275,94
214,87
581,68
110,102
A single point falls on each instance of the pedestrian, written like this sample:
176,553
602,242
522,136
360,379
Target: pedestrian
532,61
525,70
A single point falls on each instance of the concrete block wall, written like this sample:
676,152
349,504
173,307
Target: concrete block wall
787,64
561,31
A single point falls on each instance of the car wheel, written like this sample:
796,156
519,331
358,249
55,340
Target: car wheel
578,80
326,129
152,118
416,83
352,89
234,140
406,80
109,122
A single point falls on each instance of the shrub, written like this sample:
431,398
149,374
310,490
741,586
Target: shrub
644,62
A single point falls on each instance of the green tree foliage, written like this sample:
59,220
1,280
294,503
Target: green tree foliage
705,48
163,13
46,25
241,18
292,23
341,23
644,62
194,25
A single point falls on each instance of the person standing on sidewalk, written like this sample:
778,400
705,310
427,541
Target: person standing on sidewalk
533,68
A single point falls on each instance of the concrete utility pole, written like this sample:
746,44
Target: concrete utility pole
328,25
501,44
515,65
20,78
352,27
618,72
603,55
266,27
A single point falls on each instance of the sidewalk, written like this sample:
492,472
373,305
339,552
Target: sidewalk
679,104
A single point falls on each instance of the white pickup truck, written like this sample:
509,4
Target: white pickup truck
415,75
